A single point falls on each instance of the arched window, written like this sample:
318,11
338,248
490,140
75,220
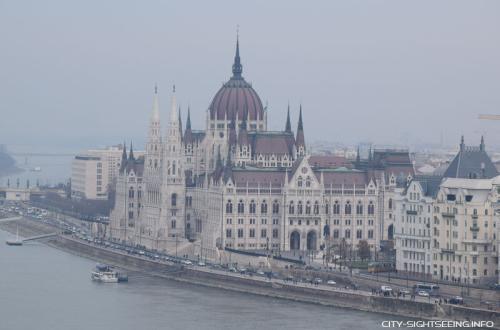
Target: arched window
371,208
316,207
336,207
299,207
174,199
308,207
347,207
131,193
390,203
229,206
327,208
308,182
299,182
263,207
276,207
347,233
359,234
252,206
291,208
174,224
241,207
359,208
173,167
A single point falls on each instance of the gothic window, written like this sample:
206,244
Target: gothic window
336,233
228,233
336,207
130,214
173,224
276,207
299,182
240,232
308,207
371,208
275,233
174,199
252,206
308,182
348,208
252,233
316,207
131,193
327,208
390,203
359,208
241,207
291,208
263,207
370,233
263,233
173,167
299,207
229,207
139,194
359,234
347,233
168,167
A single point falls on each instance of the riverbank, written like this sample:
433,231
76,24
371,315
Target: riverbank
357,300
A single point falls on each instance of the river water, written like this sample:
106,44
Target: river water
43,288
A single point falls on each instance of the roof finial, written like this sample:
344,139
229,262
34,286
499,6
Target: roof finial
237,67
173,88
156,88
288,125
481,146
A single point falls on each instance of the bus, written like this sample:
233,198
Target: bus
432,289
381,266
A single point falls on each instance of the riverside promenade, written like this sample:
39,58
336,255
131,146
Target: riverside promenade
324,295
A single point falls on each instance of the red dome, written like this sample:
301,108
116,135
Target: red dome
234,99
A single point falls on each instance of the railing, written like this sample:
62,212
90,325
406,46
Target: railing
411,212
448,214
450,251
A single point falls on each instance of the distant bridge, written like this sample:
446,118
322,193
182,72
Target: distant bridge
40,154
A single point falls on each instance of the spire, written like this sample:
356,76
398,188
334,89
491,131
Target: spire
232,133
156,106
288,126
188,121
237,67
462,143
131,153
124,153
173,112
243,134
358,158
300,140
482,146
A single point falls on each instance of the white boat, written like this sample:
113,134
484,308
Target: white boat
104,277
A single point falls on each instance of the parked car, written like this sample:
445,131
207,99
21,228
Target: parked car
457,300
331,282
423,293
385,288
317,280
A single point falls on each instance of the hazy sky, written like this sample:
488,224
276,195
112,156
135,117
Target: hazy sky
392,72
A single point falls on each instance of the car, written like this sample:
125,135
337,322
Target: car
233,270
495,286
457,300
201,264
423,293
404,291
331,282
317,280
261,273
385,288
186,262
141,252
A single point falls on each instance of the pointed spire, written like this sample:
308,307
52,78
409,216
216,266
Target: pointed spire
124,153
173,111
131,153
358,157
300,140
156,106
301,127
288,126
482,146
237,67
462,143
188,121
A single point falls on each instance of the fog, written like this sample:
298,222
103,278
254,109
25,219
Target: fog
391,72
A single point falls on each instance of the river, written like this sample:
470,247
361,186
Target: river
46,289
